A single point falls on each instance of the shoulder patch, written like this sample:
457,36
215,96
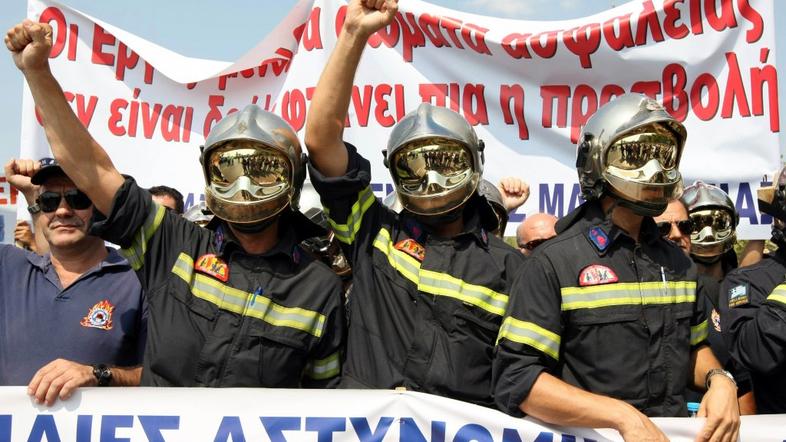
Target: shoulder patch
598,238
738,295
597,274
412,248
212,265
99,316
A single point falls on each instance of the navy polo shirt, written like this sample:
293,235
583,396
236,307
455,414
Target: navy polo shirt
100,318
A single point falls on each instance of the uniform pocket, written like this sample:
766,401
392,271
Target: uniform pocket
279,355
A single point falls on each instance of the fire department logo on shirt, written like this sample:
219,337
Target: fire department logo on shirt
596,274
738,295
99,316
212,265
412,248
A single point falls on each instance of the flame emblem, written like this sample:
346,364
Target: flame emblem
99,316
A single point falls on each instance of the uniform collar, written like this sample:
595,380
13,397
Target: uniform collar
288,243
478,217
600,231
113,259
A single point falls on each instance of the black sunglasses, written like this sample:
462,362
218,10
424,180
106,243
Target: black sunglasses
49,201
684,226
534,243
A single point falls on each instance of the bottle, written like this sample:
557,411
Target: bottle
693,408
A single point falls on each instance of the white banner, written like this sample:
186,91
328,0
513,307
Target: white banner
527,86
220,415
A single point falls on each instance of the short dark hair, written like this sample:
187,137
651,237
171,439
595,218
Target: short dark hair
172,193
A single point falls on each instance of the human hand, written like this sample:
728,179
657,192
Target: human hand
365,17
23,234
30,44
60,378
514,191
638,427
719,406
18,174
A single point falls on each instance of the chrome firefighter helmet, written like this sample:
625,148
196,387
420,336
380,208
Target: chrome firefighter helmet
435,159
714,220
199,214
325,248
631,148
253,166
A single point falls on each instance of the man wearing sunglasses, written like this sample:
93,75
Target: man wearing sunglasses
239,304
534,231
75,316
430,283
603,328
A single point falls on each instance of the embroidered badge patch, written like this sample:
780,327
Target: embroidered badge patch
412,248
738,295
596,274
715,320
598,238
211,265
99,316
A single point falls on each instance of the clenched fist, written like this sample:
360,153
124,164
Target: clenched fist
30,43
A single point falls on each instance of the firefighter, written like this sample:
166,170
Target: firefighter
430,283
602,328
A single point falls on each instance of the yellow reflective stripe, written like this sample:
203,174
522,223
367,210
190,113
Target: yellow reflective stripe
629,293
530,334
245,303
346,232
135,254
778,294
698,333
439,284
324,368
477,295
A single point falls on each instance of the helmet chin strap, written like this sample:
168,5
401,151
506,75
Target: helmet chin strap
643,209
438,220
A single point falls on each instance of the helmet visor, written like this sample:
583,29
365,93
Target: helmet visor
247,171
711,225
634,150
432,166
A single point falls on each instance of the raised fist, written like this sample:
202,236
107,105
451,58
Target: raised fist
30,43
369,16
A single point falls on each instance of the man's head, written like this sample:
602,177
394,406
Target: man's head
435,159
254,168
535,230
66,212
714,220
675,225
168,197
630,149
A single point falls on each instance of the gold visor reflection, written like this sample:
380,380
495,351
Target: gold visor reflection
720,221
264,171
432,165
637,148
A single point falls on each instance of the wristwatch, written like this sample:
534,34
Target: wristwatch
717,371
103,374
35,208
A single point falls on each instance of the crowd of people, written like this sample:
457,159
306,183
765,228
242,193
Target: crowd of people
629,307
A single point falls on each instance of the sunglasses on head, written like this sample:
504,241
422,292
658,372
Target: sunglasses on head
685,227
49,201
534,243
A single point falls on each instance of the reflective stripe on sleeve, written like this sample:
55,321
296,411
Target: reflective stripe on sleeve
135,254
324,368
439,284
346,232
245,303
530,334
778,294
628,293
698,333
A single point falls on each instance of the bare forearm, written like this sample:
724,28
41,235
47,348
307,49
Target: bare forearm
81,157
752,253
126,376
703,361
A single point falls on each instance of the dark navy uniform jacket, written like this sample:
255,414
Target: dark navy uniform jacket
220,317
601,312
101,318
424,311
753,323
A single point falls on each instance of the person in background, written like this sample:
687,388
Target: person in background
430,283
238,305
677,226
603,328
168,197
75,316
534,231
